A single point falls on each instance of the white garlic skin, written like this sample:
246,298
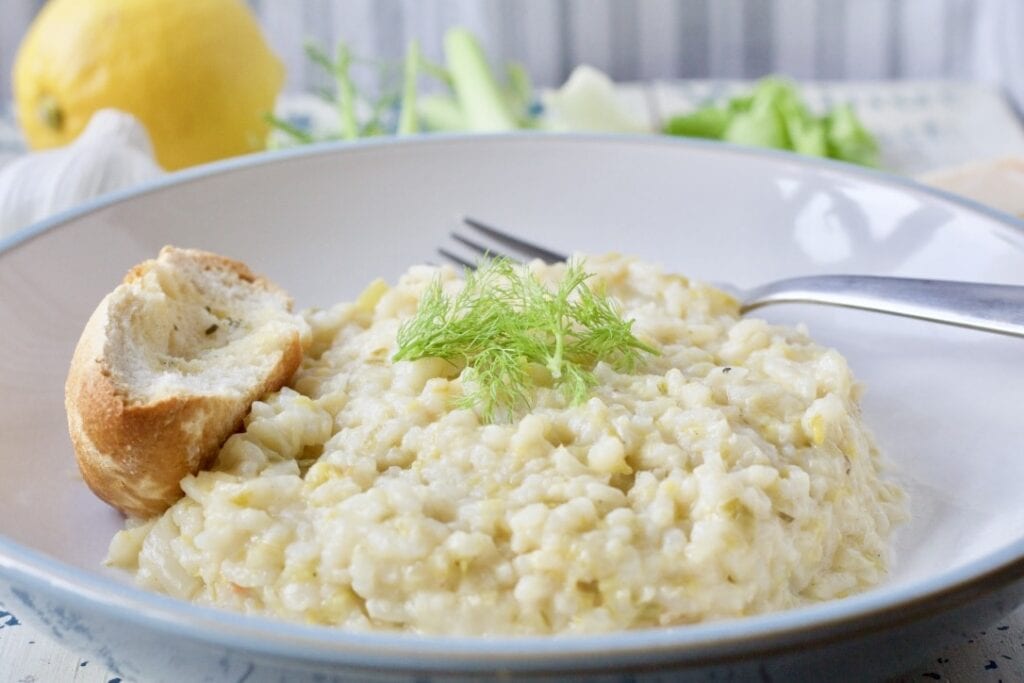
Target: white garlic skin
113,152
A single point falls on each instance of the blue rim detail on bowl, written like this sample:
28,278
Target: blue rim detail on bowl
731,639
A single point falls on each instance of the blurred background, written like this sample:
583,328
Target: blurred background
909,86
646,39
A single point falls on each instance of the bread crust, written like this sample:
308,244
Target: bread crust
133,454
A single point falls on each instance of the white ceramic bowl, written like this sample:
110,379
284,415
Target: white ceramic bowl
944,402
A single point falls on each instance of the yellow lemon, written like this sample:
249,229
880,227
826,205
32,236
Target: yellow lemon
197,73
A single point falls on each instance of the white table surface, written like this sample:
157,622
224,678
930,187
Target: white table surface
921,126
990,656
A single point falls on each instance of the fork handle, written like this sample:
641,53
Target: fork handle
979,306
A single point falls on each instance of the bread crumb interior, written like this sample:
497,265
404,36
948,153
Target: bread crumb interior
196,329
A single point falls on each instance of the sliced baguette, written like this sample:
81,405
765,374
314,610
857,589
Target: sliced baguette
167,368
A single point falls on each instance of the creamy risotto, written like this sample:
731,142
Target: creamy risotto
731,474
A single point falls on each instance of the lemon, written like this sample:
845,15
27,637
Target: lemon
197,73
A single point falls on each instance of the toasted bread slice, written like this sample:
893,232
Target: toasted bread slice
167,368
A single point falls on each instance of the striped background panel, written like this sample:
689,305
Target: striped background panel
644,39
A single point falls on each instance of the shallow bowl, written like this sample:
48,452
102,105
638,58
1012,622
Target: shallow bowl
322,222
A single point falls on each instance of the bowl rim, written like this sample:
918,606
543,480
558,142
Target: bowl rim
729,640
174,179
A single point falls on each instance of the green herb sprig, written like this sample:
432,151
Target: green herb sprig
508,333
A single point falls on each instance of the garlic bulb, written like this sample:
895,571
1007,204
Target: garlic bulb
113,152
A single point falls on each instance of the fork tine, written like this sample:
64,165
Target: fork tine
523,247
479,248
455,258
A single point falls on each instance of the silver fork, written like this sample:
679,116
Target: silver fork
975,305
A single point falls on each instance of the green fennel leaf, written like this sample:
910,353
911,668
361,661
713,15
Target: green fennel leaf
509,333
